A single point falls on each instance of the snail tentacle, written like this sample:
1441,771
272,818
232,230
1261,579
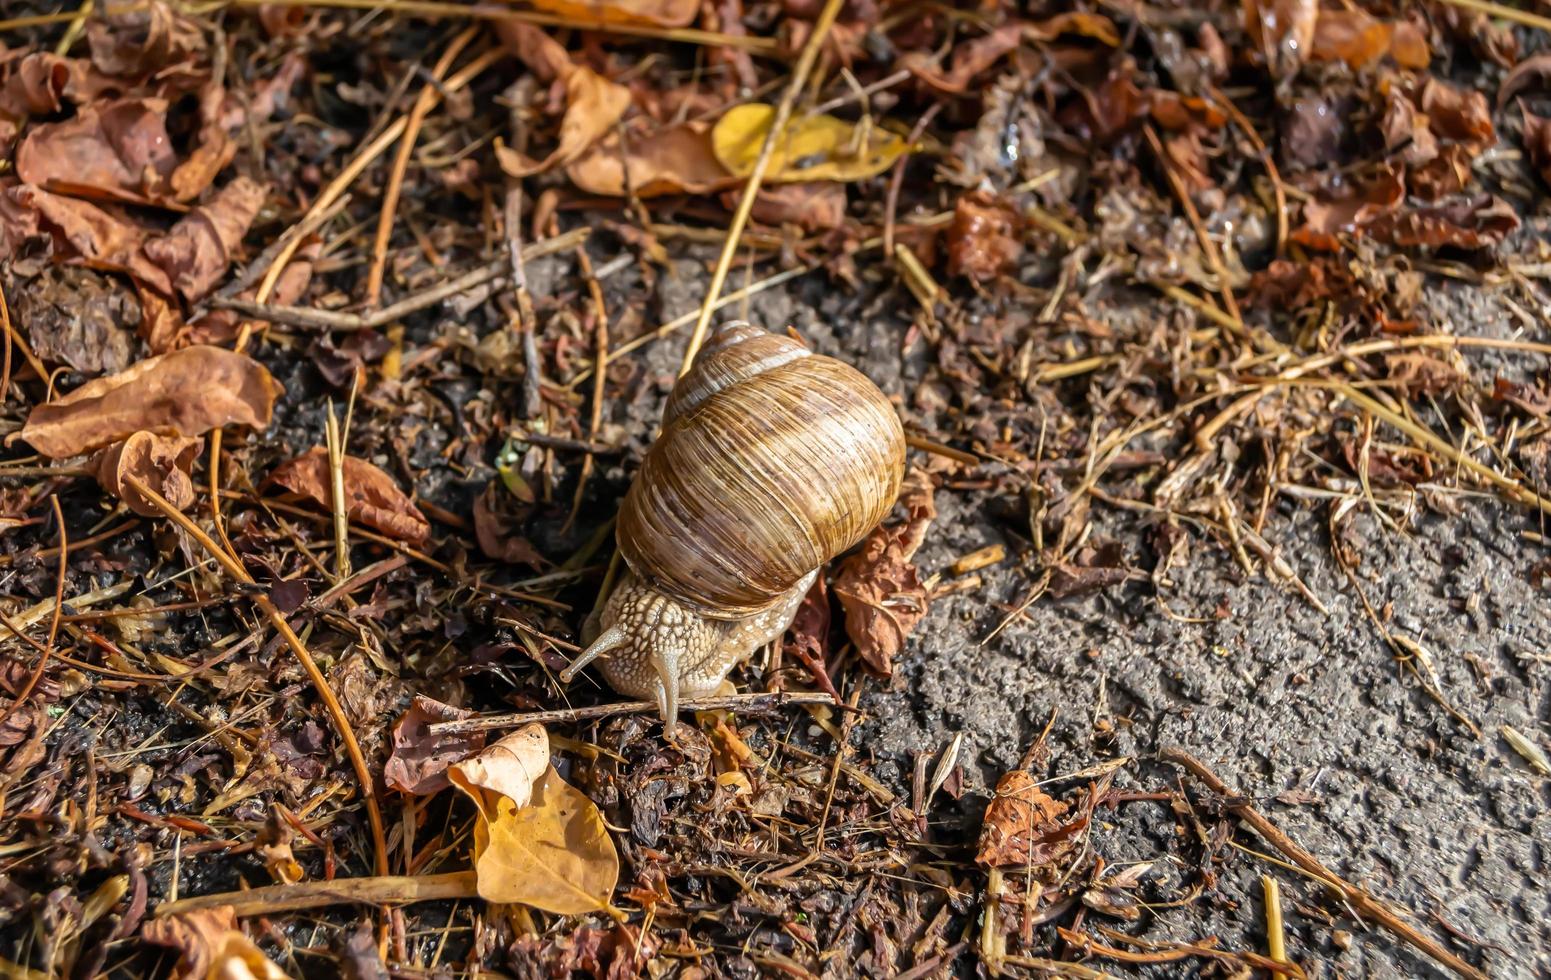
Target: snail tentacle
609,639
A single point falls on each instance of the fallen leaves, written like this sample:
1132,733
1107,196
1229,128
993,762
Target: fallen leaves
672,160
197,251
184,393
812,147
594,105
162,463
654,13
879,586
550,851
983,241
211,947
510,767
1023,825
371,496
419,760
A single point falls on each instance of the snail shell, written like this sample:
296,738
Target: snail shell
772,460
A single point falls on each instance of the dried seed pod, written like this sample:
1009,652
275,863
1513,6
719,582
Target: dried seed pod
771,461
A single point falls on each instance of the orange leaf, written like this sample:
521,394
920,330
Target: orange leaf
160,462
371,496
186,393
674,160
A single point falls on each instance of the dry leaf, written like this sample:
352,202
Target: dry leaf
187,393
1358,39
1022,825
510,767
162,463
879,587
983,241
371,496
1282,31
554,854
197,251
77,317
659,13
673,160
101,238
973,57
813,147
1537,143
815,207
117,150
593,106
211,946
1534,70
419,760
141,38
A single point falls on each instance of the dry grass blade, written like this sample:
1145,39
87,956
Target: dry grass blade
750,192
53,629
319,682
376,890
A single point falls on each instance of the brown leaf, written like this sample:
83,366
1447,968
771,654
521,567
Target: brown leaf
1534,399
211,946
1282,31
101,238
1313,130
419,760
197,251
510,767
116,150
593,106
1473,223
544,56
1091,570
1359,40
162,463
77,317
673,160
1456,113
187,393
1537,143
809,632
1406,130
1534,70
814,207
371,496
879,587
1324,219
496,528
139,39
984,240
39,84
1023,826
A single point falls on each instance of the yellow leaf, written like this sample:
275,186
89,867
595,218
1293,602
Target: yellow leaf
817,147
553,854
510,767
660,13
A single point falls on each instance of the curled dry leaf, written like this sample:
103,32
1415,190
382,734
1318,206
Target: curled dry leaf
510,767
973,57
1282,31
984,239
673,160
879,586
419,760
593,106
185,393
116,150
162,463
554,854
142,38
211,947
371,496
659,13
1023,825
1534,70
1537,143
98,237
1359,40
197,251
813,147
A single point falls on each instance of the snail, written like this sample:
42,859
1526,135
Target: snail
771,461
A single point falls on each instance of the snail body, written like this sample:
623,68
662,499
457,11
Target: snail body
772,460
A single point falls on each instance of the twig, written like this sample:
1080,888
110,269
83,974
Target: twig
1276,936
53,626
427,98
740,217
15,339
376,890
601,345
1359,898
730,701
303,316
336,452
527,325
548,441
235,569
